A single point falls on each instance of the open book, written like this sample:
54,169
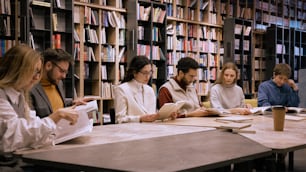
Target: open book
260,110
296,110
65,131
168,108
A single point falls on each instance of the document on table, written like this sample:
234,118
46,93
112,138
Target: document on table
65,131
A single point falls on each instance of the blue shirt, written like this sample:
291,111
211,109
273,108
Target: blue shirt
270,94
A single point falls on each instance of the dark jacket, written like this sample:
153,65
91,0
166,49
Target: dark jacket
40,101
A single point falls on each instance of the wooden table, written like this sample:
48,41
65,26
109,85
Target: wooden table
199,150
292,138
121,132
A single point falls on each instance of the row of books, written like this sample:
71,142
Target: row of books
5,7
89,54
208,46
6,44
5,25
108,18
158,15
202,74
145,50
143,13
238,60
242,29
259,75
117,3
202,88
91,35
259,64
107,90
91,16
208,33
245,45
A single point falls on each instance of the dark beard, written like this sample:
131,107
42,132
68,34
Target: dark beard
184,82
49,77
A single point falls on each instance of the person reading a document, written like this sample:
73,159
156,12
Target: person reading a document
135,100
280,90
181,88
20,69
48,94
226,95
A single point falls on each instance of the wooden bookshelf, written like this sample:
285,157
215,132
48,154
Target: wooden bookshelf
238,49
146,29
12,30
194,30
100,45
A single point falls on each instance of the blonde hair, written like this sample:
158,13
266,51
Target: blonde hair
17,67
228,65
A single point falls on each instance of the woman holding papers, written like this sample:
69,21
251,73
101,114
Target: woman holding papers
226,95
135,101
20,69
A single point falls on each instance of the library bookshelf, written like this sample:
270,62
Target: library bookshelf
99,50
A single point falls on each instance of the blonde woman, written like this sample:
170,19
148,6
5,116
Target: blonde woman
20,69
226,95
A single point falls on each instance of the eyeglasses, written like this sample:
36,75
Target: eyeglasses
37,73
146,73
60,68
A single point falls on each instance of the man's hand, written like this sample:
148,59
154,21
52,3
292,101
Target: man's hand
292,84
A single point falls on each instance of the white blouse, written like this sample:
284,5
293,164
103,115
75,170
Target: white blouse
17,132
133,99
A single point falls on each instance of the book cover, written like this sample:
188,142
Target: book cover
168,108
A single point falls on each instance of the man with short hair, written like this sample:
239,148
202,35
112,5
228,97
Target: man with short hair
48,95
181,88
280,90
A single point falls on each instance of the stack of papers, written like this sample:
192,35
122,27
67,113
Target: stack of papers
65,131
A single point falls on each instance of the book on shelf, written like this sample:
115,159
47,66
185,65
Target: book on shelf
143,13
238,29
168,108
247,30
121,54
203,4
58,4
65,131
32,20
54,22
41,3
192,3
56,40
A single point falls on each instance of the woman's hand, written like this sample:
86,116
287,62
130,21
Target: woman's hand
241,111
149,118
